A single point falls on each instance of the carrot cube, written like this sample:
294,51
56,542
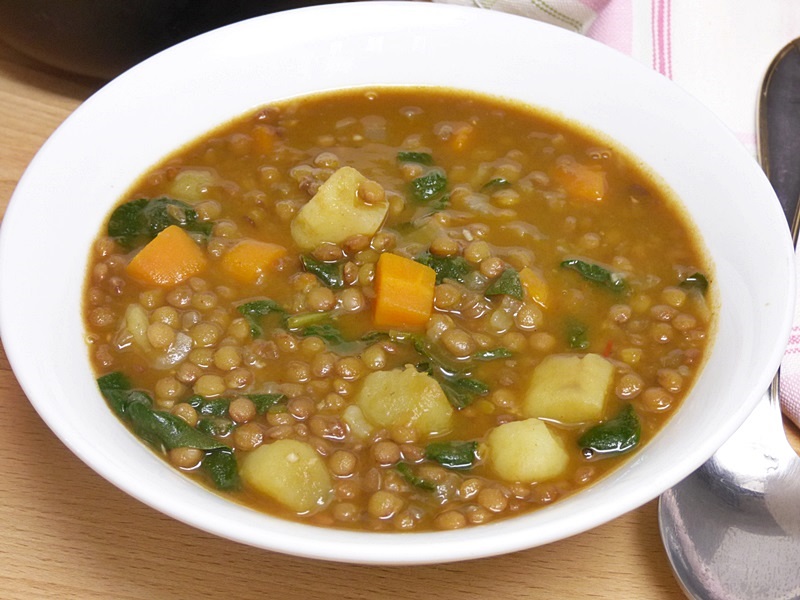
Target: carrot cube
404,292
168,259
580,181
249,260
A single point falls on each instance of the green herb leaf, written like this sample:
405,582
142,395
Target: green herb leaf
421,158
577,335
143,219
264,402
116,389
446,267
407,473
330,274
220,466
209,408
428,186
493,354
215,426
496,183
595,273
615,436
165,430
697,281
453,454
507,283
255,311
462,391
327,331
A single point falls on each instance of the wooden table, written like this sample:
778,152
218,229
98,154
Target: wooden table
67,533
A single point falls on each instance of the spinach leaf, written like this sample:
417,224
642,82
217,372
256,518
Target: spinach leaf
220,465
577,335
407,473
595,273
210,408
697,281
615,436
255,310
264,402
462,391
428,186
145,218
507,283
327,331
330,274
116,389
215,426
165,430
492,354
454,454
446,267
421,158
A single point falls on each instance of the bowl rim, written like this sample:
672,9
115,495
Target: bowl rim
338,28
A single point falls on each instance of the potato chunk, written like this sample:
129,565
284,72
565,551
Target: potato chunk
525,451
569,388
405,399
337,212
290,472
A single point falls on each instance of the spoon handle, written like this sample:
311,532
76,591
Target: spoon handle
778,127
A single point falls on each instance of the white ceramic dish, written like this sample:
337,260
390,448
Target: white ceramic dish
63,198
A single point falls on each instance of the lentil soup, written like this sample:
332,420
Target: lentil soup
397,309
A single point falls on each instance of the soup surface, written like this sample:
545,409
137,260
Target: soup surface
397,309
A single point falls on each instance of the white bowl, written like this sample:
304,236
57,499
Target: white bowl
91,160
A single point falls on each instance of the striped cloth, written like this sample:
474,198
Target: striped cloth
717,50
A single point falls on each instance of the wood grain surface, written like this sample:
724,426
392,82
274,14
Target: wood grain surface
67,533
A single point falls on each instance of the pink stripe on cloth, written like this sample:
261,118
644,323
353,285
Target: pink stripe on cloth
662,36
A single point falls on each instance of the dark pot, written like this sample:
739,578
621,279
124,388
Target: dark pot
102,38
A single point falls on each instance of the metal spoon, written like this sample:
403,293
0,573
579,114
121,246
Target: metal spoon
732,528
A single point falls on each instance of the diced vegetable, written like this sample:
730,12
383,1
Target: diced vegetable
250,260
357,422
615,436
526,451
404,291
191,185
405,398
264,139
291,472
535,286
172,257
136,323
580,181
336,212
569,388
